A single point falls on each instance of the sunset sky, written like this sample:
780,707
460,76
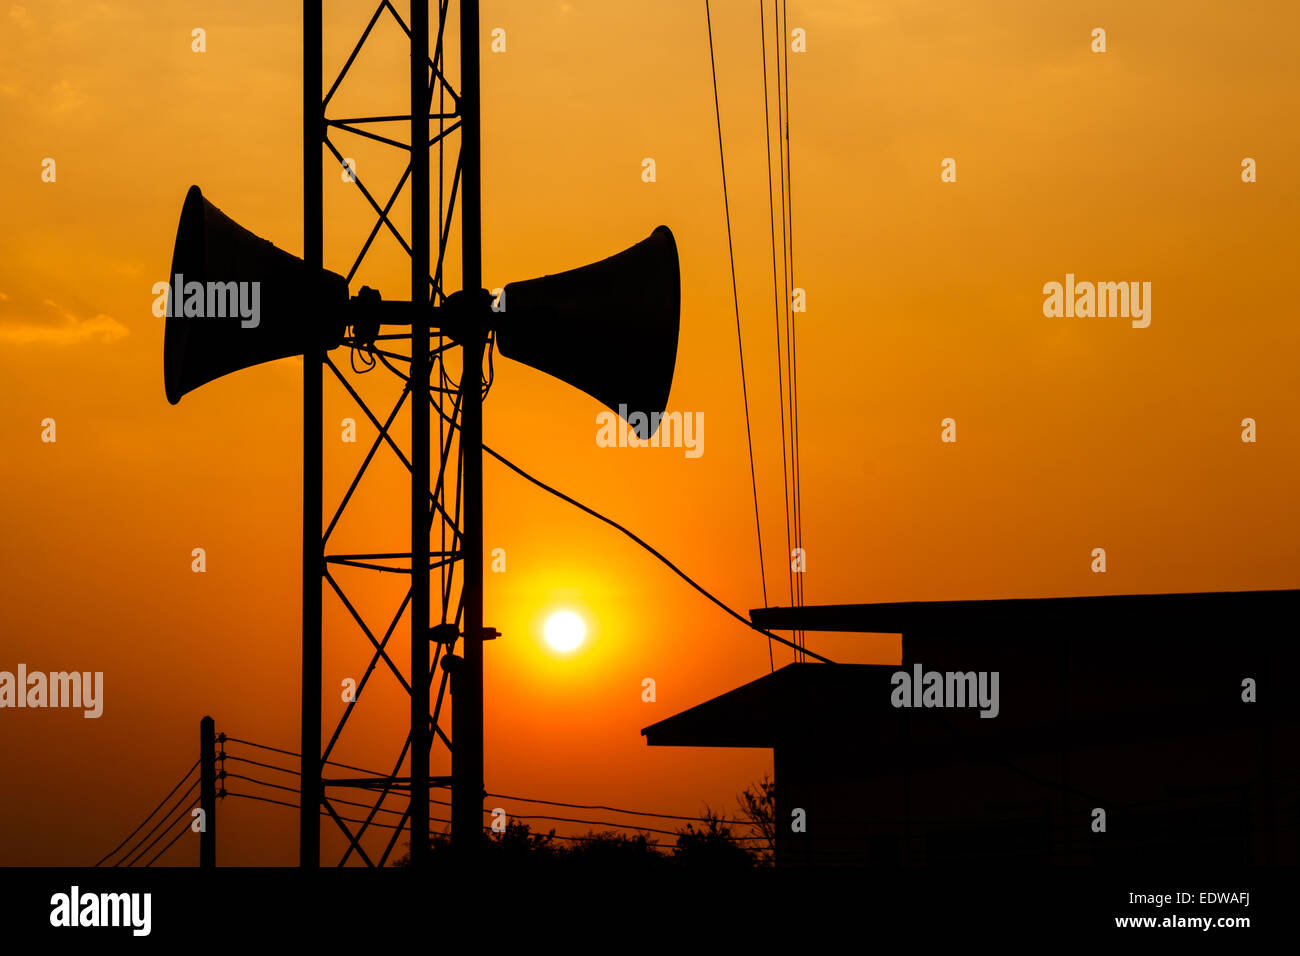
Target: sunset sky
925,301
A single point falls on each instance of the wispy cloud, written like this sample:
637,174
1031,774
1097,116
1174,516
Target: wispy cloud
49,323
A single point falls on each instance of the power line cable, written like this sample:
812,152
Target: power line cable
500,796
291,753
787,283
735,299
129,837
658,554
776,297
152,830
623,826
351,803
183,816
796,450
323,812
601,806
171,843
258,763
674,568
264,783
554,803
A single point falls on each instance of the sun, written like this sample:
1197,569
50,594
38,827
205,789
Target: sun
565,631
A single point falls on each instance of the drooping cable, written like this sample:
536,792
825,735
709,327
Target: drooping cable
151,815
674,568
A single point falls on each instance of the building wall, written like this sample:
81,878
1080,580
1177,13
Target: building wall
1201,798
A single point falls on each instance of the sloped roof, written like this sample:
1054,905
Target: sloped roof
755,714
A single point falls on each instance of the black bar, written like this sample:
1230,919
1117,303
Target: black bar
1022,903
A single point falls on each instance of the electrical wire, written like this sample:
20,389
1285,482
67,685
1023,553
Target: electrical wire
170,843
258,763
184,815
323,812
616,826
776,297
608,825
293,753
500,796
730,822
796,452
491,372
351,803
161,803
674,568
601,806
740,342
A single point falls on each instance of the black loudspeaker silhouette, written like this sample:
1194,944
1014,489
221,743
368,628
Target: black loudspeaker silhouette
609,328
207,336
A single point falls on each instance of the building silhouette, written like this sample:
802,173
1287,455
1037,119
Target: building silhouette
1173,715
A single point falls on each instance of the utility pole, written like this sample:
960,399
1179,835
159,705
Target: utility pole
208,792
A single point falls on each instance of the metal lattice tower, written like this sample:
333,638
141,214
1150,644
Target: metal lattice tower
445,628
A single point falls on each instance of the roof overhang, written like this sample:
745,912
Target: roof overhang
1206,610
757,714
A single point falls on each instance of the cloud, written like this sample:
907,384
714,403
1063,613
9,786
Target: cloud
50,324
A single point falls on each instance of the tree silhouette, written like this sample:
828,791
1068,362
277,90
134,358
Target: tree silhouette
609,850
709,846
758,806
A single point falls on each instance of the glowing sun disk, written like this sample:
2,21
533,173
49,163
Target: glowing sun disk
564,631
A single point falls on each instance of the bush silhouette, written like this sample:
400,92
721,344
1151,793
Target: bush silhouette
710,845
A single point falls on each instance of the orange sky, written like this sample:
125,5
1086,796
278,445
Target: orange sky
925,301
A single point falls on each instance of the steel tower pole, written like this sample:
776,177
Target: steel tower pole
467,685
312,469
419,385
